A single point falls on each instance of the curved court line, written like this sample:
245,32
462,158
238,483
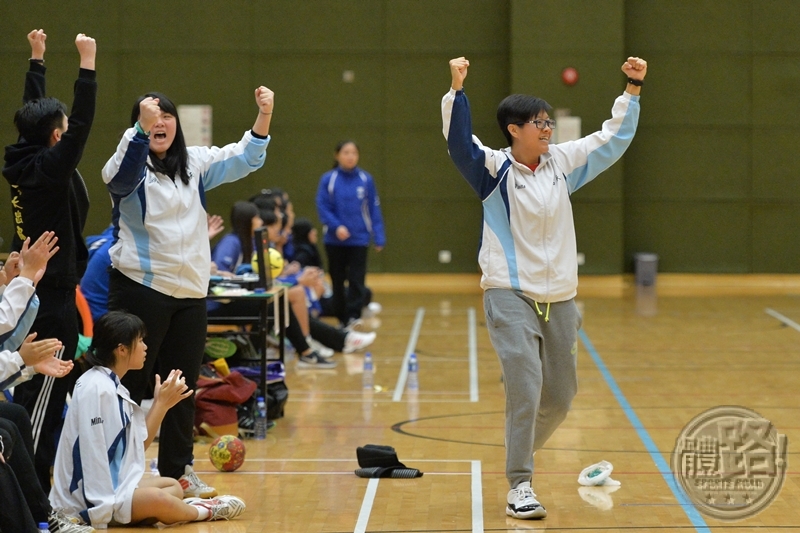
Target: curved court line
666,472
410,347
398,428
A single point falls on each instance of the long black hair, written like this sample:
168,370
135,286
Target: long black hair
111,330
242,214
302,227
175,163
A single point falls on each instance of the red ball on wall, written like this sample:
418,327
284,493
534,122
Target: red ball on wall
569,76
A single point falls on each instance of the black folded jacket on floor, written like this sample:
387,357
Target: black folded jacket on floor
381,461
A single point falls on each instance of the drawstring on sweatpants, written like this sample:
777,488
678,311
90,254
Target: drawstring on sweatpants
539,311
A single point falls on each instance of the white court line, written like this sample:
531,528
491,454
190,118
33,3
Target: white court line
473,355
412,345
787,321
477,498
366,506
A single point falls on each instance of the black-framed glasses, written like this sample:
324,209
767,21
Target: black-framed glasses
542,123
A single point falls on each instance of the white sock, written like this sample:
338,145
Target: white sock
203,512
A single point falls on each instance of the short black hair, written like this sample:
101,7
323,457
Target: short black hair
37,119
176,162
111,330
518,109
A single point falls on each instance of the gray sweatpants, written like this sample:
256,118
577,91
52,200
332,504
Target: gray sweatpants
539,362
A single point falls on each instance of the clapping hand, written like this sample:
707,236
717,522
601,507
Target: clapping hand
173,390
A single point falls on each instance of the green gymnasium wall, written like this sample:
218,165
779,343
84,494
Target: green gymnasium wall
708,183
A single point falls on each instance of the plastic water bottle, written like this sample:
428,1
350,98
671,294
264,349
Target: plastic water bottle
154,467
413,373
43,527
261,419
368,378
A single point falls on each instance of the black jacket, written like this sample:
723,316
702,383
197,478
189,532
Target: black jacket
47,191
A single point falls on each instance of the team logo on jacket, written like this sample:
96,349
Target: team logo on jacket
360,193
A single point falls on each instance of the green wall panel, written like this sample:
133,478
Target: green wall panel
428,226
776,80
697,26
690,237
420,26
572,26
598,228
678,163
775,24
676,95
775,171
776,241
297,27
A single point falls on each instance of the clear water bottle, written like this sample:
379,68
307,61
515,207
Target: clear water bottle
368,378
260,428
154,467
413,373
43,527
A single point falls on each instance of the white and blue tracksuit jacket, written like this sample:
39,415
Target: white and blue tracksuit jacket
160,225
18,310
349,198
100,457
528,238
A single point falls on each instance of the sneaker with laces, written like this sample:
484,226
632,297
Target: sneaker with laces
522,503
314,360
221,508
356,340
320,348
60,522
193,486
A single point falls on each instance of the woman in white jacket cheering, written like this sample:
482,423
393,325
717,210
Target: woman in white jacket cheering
161,257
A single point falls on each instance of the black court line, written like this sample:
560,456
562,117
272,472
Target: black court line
399,428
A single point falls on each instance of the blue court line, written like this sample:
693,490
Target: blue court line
663,468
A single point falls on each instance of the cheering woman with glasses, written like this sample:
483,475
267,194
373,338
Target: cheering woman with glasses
528,254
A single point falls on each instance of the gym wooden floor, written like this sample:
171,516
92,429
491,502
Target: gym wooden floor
706,341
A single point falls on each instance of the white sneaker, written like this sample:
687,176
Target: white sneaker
522,503
356,340
320,348
193,486
221,508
